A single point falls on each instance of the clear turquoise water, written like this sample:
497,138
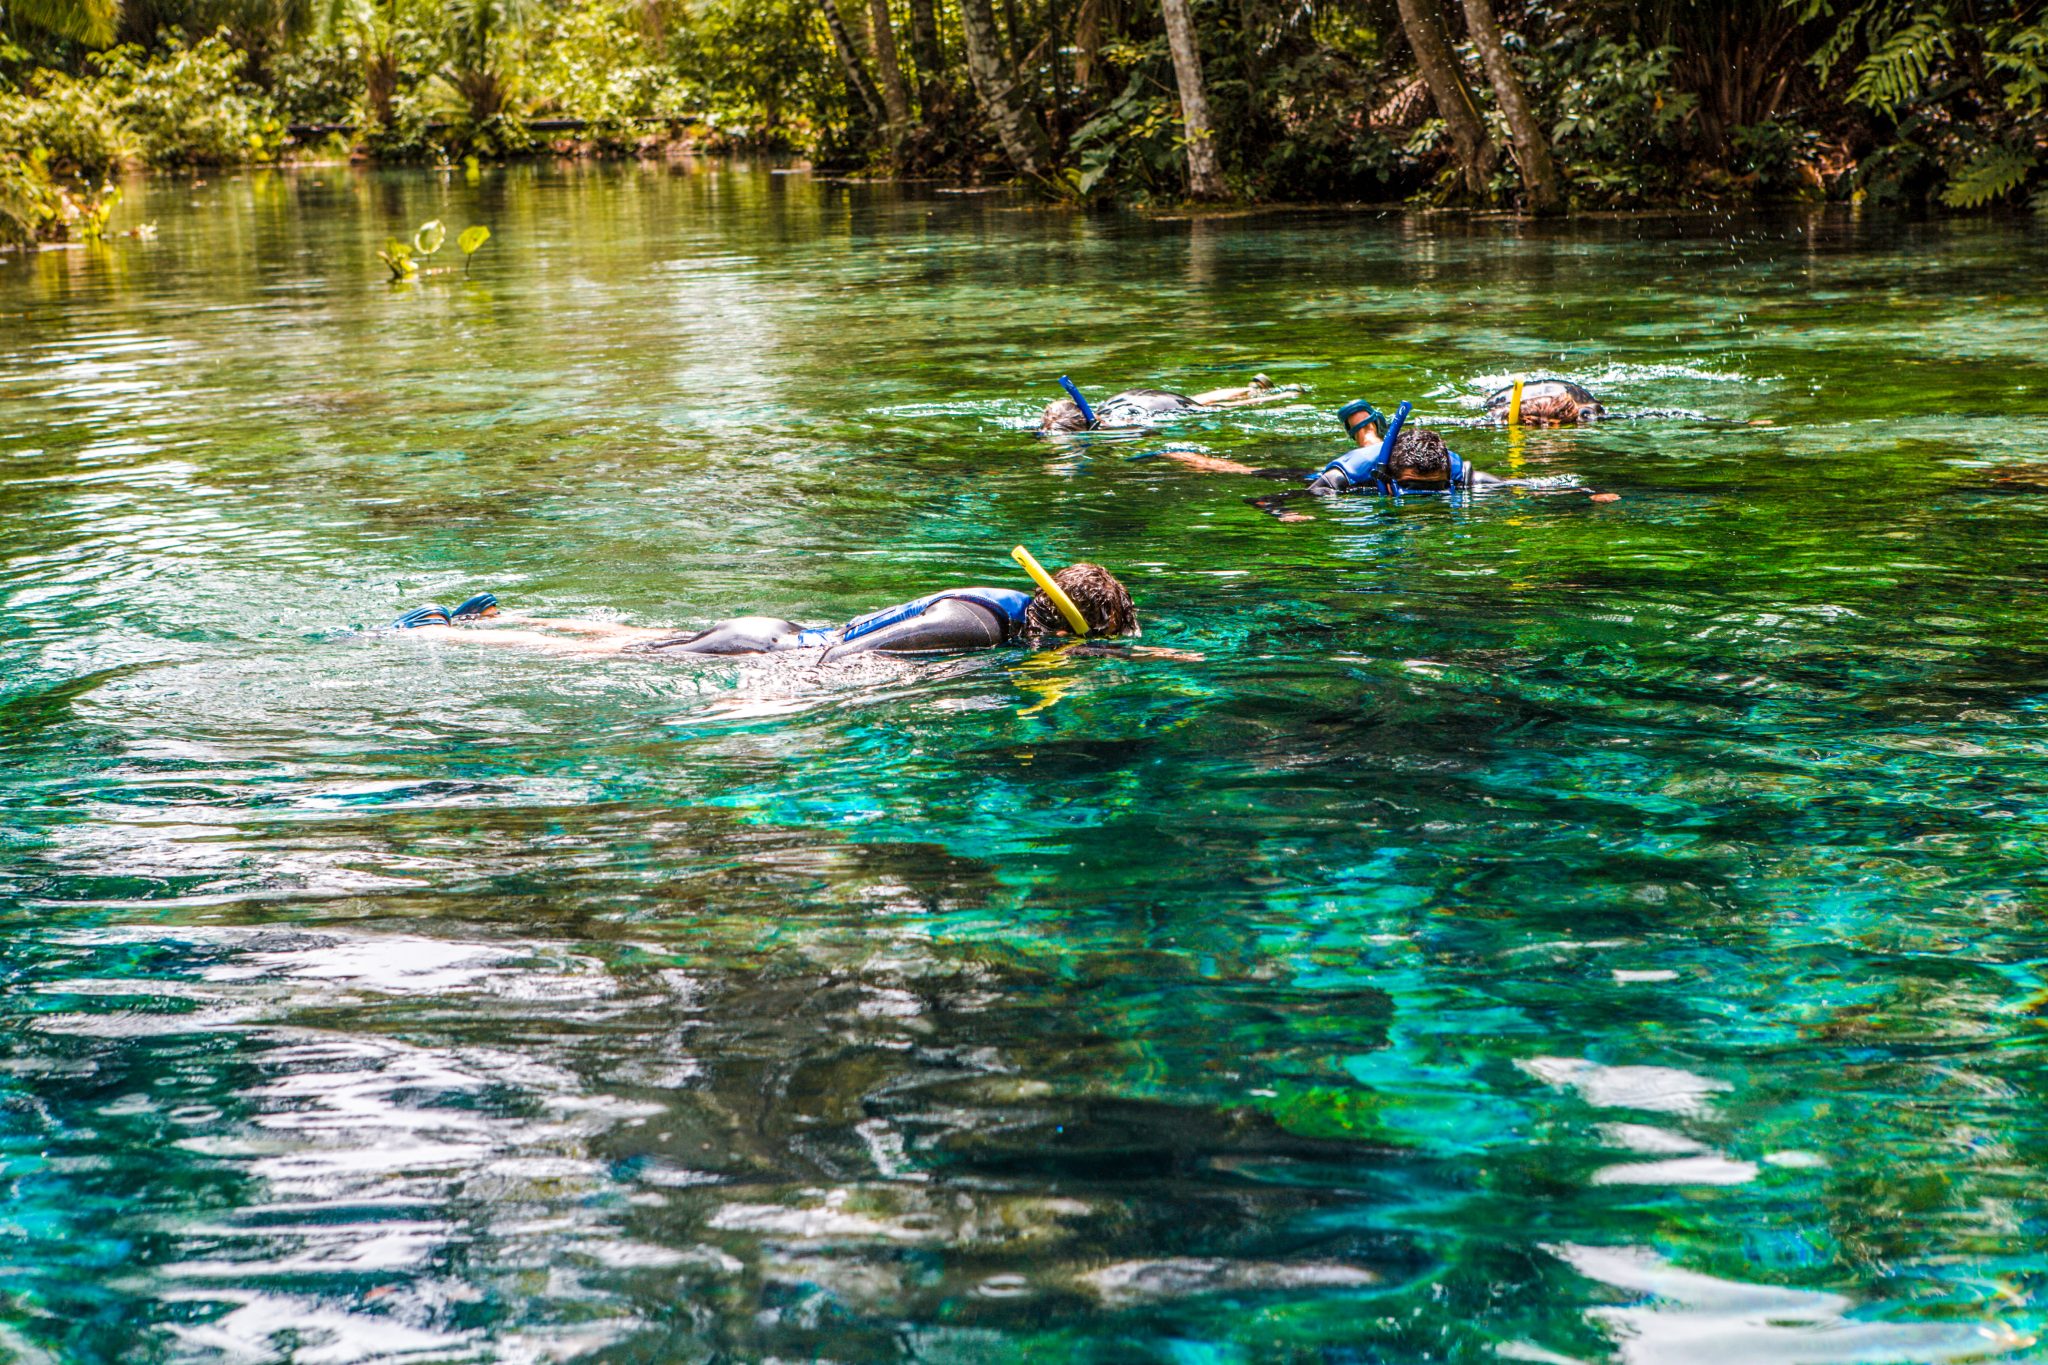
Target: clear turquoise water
1532,930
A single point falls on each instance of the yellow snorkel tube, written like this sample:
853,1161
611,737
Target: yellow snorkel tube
1515,404
1051,589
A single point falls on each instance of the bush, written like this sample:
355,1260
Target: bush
74,123
28,197
190,105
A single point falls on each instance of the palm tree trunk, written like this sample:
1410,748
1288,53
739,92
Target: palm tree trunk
1205,181
1422,20
895,94
1024,142
1532,148
856,76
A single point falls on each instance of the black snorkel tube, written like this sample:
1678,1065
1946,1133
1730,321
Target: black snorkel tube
1087,413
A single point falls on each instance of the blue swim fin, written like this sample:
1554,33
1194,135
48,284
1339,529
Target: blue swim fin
483,604
422,616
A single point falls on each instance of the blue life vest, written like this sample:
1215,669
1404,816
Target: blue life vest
1368,464
1007,603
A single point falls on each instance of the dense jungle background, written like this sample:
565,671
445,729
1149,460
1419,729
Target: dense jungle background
1523,104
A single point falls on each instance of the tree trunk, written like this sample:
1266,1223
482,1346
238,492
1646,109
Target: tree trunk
1532,148
1421,20
1087,43
1205,181
856,75
1024,142
924,46
895,94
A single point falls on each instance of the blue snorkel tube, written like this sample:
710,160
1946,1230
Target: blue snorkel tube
1087,413
1357,466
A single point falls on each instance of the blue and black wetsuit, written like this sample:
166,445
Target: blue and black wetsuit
1366,470
940,623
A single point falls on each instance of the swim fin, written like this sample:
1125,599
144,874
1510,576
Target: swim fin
422,616
483,604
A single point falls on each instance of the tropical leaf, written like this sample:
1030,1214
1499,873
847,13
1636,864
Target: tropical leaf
1897,69
88,21
398,256
472,238
1990,175
428,239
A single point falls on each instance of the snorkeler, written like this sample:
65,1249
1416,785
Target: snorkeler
1081,599
1417,461
1142,407
1409,460
1544,403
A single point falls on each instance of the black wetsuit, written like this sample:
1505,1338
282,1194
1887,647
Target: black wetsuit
944,623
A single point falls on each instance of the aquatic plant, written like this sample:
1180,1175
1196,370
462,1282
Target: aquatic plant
403,258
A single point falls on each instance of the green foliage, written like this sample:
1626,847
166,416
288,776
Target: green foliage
1897,69
1618,122
1134,144
77,125
1992,174
28,197
403,259
84,21
185,105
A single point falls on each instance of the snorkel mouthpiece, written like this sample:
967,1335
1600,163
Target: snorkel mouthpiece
1087,413
1044,580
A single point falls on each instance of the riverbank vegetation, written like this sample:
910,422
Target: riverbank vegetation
1538,105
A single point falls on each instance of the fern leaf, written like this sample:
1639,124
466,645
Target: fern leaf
1896,70
1837,44
1990,175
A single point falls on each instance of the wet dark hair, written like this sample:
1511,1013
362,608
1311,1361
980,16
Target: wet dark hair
1064,415
1421,452
1582,398
1102,600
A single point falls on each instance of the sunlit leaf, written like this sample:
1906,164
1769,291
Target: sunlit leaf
472,238
428,239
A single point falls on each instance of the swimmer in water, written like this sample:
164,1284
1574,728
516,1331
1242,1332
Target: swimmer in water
1135,408
1546,403
947,622
1416,462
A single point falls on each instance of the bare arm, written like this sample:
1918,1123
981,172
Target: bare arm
1250,393
1207,464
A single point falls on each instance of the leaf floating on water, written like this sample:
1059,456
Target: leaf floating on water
472,238
428,239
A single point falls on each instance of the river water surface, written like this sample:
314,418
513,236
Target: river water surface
1529,930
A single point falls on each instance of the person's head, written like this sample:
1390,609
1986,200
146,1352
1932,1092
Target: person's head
1064,415
1362,421
1103,602
1420,460
1549,403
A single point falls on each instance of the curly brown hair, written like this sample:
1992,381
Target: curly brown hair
1421,454
1102,600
